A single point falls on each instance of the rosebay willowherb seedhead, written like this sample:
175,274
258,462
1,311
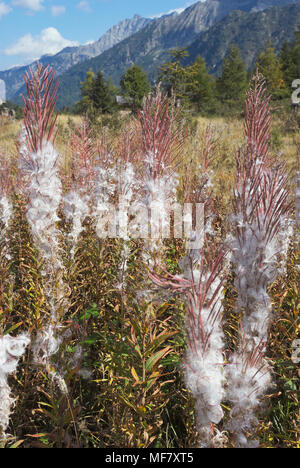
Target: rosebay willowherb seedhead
11,349
260,223
201,283
42,187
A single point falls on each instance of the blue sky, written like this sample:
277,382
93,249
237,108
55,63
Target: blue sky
31,28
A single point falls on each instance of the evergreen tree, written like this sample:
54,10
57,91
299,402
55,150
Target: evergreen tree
135,85
178,54
173,75
192,85
232,84
86,102
173,79
290,61
114,91
201,85
269,65
101,98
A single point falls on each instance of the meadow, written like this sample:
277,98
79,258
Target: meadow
130,342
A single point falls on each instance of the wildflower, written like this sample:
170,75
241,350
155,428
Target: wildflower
161,144
76,209
77,200
43,189
11,349
6,209
259,221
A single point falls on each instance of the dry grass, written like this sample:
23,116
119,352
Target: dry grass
9,133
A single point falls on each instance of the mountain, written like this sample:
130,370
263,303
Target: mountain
70,56
251,32
150,46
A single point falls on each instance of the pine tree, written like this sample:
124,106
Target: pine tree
232,84
101,98
201,85
173,75
173,79
290,61
86,102
269,65
178,54
191,85
135,85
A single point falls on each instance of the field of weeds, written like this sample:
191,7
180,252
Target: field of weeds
110,338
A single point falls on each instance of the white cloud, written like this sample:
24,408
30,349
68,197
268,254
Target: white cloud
177,10
84,6
49,41
57,10
34,5
4,9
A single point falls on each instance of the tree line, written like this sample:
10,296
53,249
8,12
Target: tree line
193,84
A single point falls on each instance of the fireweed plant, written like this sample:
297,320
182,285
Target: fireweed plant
5,203
204,361
42,187
77,200
201,284
161,145
6,209
133,347
11,348
128,190
259,243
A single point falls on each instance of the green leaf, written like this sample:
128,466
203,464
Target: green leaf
90,340
157,357
164,336
93,311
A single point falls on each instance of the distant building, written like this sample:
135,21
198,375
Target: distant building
120,100
5,112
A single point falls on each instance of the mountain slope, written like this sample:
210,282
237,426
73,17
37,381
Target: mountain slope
149,47
251,32
70,56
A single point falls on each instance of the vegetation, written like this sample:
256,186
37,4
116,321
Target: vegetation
290,60
271,67
232,83
246,30
192,85
197,89
110,319
97,96
86,102
135,86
